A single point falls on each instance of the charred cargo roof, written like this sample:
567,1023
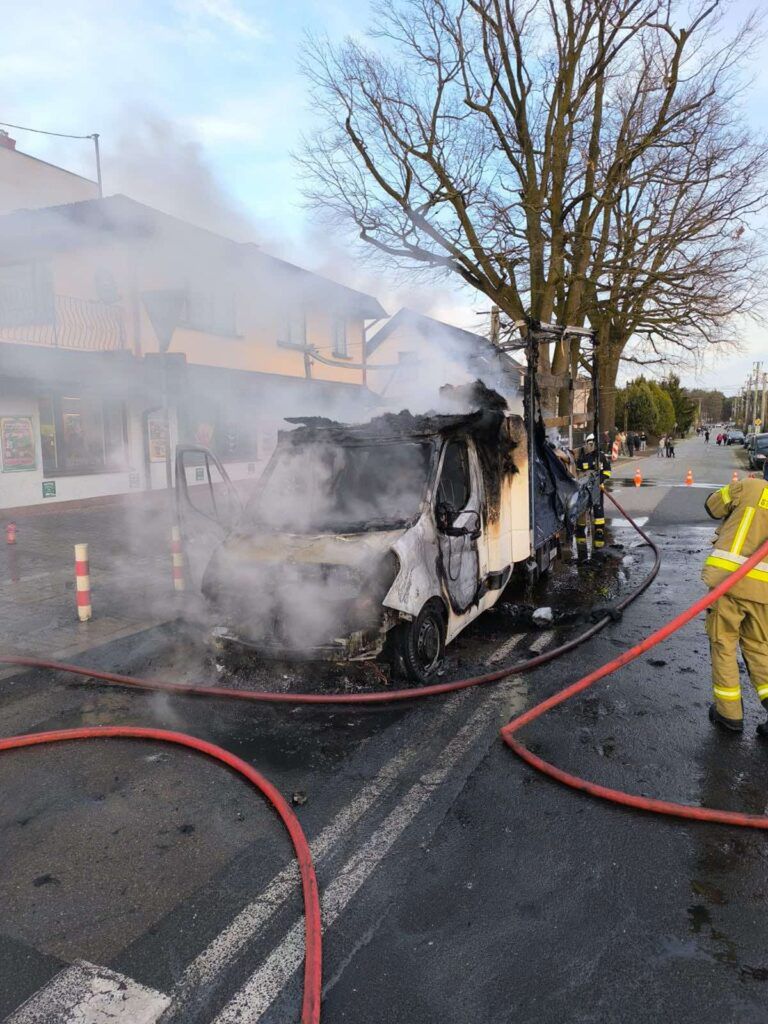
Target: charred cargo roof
486,411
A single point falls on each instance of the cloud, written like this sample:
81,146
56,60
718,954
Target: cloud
223,12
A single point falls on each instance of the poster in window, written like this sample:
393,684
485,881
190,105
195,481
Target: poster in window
158,439
17,440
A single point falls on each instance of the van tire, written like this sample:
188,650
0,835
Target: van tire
420,644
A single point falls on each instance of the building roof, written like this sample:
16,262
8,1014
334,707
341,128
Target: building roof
430,329
47,163
26,233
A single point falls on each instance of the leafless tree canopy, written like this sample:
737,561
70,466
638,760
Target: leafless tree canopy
572,159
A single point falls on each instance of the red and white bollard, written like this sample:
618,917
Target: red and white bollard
10,533
177,559
83,583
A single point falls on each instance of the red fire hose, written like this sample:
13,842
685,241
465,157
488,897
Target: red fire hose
312,970
641,803
310,1008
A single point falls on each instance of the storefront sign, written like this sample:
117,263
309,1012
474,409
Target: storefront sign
17,440
49,488
158,439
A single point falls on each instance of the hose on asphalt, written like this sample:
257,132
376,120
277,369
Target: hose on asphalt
310,1008
641,803
313,957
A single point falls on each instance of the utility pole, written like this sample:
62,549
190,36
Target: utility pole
764,400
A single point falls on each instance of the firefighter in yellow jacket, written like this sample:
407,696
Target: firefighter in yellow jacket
739,617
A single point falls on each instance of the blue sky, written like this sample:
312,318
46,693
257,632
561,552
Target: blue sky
199,104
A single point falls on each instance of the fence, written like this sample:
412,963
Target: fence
72,323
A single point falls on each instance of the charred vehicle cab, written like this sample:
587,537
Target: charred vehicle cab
383,538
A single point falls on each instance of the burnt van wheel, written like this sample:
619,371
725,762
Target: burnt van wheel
421,643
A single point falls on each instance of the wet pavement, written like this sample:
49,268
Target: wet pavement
458,885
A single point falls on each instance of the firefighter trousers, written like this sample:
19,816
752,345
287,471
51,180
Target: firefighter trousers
731,622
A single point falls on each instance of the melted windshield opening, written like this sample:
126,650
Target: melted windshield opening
342,488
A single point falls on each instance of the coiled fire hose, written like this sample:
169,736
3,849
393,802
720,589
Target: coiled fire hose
313,957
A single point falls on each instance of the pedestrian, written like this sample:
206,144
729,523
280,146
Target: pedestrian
662,446
643,441
631,444
740,617
706,437
670,446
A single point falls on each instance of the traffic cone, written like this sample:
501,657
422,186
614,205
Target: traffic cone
735,477
638,477
688,478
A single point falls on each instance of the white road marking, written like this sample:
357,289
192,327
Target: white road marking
263,987
541,642
87,994
504,650
215,958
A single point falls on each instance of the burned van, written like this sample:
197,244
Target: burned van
382,538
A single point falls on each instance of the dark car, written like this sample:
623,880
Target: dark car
757,451
735,437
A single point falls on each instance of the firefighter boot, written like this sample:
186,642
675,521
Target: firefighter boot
762,729
731,724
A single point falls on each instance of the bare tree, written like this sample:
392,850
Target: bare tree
497,139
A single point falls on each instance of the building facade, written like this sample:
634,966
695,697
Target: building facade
124,331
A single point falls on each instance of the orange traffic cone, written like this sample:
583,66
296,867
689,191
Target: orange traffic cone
688,478
638,477
735,477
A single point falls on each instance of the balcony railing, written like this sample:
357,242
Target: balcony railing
71,323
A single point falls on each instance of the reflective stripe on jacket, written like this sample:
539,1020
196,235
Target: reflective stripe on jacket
744,508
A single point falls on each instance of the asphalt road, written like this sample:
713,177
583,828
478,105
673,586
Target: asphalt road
146,885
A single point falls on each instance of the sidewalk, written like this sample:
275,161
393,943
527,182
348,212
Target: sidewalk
130,567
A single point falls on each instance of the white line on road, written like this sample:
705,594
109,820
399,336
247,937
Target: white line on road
86,994
263,987
504,650
541,642
216,957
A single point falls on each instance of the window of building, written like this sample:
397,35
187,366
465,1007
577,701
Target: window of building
230,431
340,345
295,327
82,434
209,309
26,294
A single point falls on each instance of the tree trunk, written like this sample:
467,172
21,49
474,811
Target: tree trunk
610,357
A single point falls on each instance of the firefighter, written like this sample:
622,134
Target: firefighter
588,461
739,617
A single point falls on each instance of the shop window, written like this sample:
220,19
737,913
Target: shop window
82,434
340,345
230,433
209,309
26,294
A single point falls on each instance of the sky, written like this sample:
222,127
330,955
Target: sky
217,83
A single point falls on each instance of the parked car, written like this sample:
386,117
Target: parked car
735,437
757,451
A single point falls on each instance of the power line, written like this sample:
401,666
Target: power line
39,131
